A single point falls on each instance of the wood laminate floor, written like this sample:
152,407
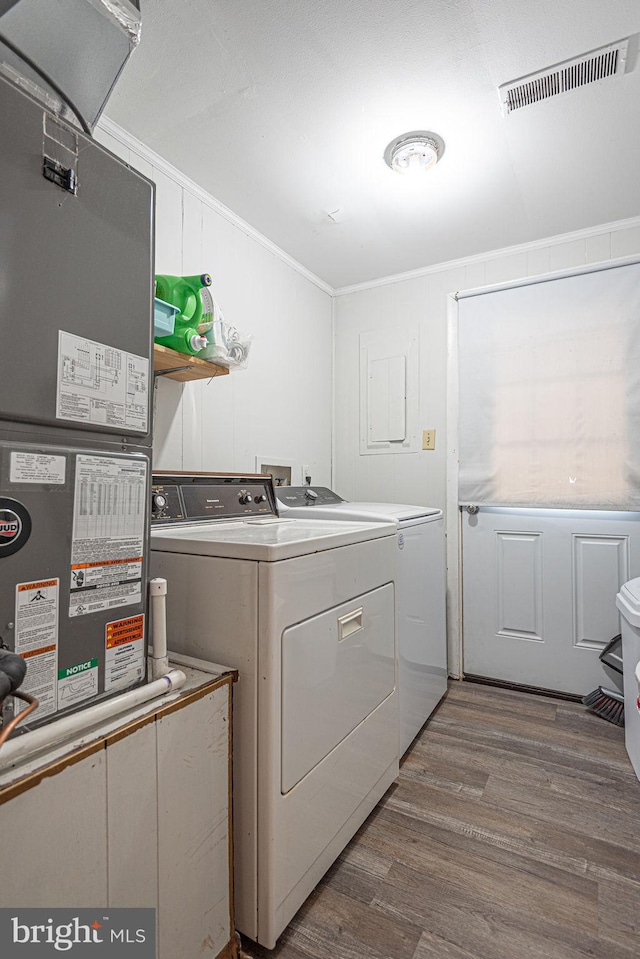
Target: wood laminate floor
513,832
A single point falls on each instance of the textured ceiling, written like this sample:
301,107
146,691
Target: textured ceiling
281,109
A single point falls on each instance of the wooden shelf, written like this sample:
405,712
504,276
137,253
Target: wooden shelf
179,366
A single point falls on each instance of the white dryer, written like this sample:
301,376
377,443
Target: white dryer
304,609
421,630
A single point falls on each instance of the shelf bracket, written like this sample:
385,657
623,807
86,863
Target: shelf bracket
175,369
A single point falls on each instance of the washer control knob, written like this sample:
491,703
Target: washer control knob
260,498
310,494
244,498
159,503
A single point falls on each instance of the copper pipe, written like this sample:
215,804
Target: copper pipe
33,705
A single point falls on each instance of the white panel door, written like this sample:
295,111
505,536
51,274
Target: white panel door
539,590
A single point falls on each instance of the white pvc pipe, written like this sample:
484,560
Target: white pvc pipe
83,722
202,664
157,599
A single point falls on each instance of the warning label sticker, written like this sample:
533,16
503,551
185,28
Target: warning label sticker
76,683
108,533
37,640
124,659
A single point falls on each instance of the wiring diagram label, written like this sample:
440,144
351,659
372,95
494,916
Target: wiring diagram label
100,385
37,641
108,533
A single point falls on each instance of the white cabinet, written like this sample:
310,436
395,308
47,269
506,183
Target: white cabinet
140,817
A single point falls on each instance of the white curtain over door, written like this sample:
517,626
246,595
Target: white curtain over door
550,393
549,450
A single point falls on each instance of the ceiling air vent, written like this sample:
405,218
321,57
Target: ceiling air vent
591,67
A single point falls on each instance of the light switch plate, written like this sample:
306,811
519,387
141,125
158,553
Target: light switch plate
428,439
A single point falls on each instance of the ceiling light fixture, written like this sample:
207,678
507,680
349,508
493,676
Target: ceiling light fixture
418,150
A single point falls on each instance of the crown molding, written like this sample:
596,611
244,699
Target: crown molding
492,255
159,163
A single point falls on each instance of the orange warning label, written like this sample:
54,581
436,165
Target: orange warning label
107,562
39,652
124,631
45,582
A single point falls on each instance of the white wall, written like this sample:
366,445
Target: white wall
280,406
422,297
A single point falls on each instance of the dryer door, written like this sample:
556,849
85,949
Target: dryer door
337,667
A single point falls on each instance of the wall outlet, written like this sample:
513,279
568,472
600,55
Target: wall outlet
306,471
428,439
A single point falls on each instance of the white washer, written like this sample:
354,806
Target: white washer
421,629
304,609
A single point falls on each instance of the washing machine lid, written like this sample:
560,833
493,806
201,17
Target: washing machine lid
389,512
628,601
266,540
632,590
362,512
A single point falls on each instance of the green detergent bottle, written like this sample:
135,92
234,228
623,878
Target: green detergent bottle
191,296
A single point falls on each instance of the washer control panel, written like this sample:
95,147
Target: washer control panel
307,496
199,497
